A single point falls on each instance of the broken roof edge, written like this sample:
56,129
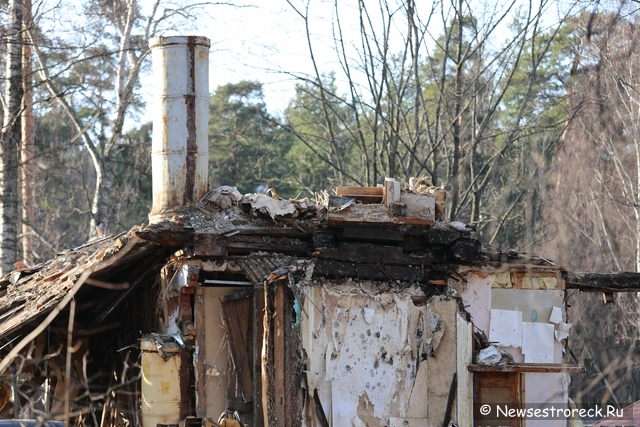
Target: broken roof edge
31,292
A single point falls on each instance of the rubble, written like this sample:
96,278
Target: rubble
489,356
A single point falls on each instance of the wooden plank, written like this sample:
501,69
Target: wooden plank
266,361
360,191
279,354
200,373
167,235
294,403
494,388
236,315
450,399
530,367
257,332
373,214
464,357
603,282
317,406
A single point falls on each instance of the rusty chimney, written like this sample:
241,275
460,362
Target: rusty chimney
180,147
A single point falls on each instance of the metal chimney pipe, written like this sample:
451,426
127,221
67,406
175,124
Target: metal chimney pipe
180,146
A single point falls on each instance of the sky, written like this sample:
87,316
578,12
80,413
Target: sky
266,41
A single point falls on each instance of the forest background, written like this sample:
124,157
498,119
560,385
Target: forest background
527,113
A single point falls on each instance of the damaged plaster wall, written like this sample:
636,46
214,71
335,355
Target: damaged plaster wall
484,291
380,358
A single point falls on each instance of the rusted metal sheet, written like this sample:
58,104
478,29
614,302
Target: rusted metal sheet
180,150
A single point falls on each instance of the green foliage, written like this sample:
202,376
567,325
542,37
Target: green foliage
247,146
324,149
132,184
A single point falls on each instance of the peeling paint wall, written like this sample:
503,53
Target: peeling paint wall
379,358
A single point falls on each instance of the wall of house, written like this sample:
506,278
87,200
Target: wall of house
384,357
530,297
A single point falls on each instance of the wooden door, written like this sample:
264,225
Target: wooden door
498,388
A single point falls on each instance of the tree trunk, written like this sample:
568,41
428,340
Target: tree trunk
100,206
457,123
11,138
28,149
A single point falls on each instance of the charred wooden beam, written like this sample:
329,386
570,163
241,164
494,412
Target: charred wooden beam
324,239
371,253
372,234
167,235
342,269
447,235
602,282
236,248
465,250
276,232
209,244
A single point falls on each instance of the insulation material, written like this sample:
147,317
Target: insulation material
506,328
376,358
548,283
538,342
502,280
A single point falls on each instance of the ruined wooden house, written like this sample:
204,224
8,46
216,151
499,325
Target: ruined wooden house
367,309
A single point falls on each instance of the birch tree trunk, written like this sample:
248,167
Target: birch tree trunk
11,138
28,148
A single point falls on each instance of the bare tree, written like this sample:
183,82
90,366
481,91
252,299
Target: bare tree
28,146
11,138
462,105
593,203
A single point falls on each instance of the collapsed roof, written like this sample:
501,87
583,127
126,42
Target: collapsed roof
346,237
